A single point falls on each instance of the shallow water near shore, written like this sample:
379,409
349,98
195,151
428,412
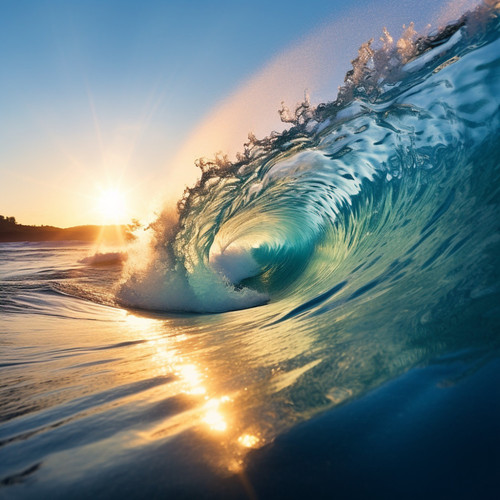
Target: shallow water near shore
102,402
323,320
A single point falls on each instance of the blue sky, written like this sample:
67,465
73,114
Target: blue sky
102,94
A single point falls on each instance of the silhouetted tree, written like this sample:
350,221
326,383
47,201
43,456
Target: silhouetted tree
7,220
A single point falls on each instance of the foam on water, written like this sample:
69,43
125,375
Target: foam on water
407,113
368,235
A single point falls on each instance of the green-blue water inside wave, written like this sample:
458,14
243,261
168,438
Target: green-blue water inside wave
389,190
360,247
368,234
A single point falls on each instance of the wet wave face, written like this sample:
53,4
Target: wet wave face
368,233
340,255
386,196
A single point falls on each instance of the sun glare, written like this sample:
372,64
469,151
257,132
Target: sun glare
112,206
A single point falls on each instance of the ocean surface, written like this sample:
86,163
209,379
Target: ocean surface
319,319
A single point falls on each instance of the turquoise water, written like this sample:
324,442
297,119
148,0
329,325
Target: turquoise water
328,272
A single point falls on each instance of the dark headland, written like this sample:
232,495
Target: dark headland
11,231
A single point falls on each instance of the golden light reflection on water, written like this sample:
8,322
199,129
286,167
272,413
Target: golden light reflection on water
248,440
144,325
191,379
201,374
214,416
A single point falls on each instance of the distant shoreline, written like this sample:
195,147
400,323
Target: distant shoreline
11,232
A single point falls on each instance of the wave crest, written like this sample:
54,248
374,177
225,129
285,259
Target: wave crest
248,230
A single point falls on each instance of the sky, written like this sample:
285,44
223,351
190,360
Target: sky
105,105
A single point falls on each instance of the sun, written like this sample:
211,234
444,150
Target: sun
112,205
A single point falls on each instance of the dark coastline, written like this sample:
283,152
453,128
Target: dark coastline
10,231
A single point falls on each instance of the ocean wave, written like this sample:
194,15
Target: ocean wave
387,188
104,259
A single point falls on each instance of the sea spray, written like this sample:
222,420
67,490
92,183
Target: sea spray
408,114
371,227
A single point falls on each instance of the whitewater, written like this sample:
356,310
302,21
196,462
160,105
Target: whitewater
323,308
395,127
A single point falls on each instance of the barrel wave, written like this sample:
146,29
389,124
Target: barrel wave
386,199
319,318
